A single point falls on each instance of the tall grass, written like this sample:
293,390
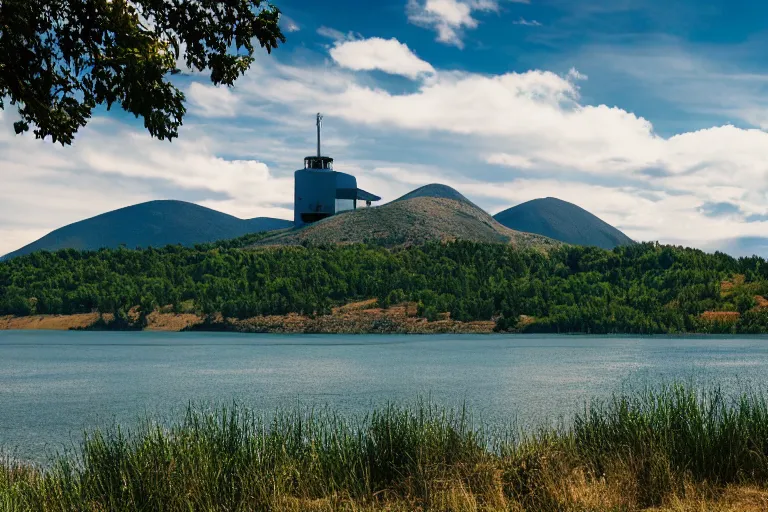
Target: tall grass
677,431
633,451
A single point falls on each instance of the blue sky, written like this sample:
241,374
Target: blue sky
651,114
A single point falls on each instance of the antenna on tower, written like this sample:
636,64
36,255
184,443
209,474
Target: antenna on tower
319,123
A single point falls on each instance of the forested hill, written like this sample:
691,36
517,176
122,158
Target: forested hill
643,288
151,224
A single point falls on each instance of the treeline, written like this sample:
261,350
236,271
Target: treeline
644,288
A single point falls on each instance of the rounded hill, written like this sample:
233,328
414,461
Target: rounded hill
151,224
436,190
564,221
410,221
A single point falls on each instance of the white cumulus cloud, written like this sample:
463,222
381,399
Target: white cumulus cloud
388,55
449,18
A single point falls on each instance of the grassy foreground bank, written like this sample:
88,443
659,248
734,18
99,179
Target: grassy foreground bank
673,448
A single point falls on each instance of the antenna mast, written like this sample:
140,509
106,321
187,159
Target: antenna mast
319,123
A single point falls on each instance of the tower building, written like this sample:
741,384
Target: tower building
320,192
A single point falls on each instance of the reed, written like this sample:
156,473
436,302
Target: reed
652,448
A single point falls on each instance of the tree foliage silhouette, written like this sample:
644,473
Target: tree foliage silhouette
60,59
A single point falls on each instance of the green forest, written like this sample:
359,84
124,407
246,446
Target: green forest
643,288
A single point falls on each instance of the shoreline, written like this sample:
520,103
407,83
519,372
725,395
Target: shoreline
363,317
363,322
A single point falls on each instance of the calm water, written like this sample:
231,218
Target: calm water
55,384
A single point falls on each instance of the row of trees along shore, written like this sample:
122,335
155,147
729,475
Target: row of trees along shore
644,288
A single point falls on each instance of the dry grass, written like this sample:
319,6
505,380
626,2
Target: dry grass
49,322
721,316
588,497
363,305
171,321
524,321
730,499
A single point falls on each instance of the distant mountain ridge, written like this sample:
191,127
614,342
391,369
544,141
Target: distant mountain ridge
434,212
564,221
151,224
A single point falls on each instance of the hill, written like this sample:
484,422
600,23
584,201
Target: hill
411,221
564,221
155,224
436,190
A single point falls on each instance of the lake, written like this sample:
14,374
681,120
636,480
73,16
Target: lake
55,384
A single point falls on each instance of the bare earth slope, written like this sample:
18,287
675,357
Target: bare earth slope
410,222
